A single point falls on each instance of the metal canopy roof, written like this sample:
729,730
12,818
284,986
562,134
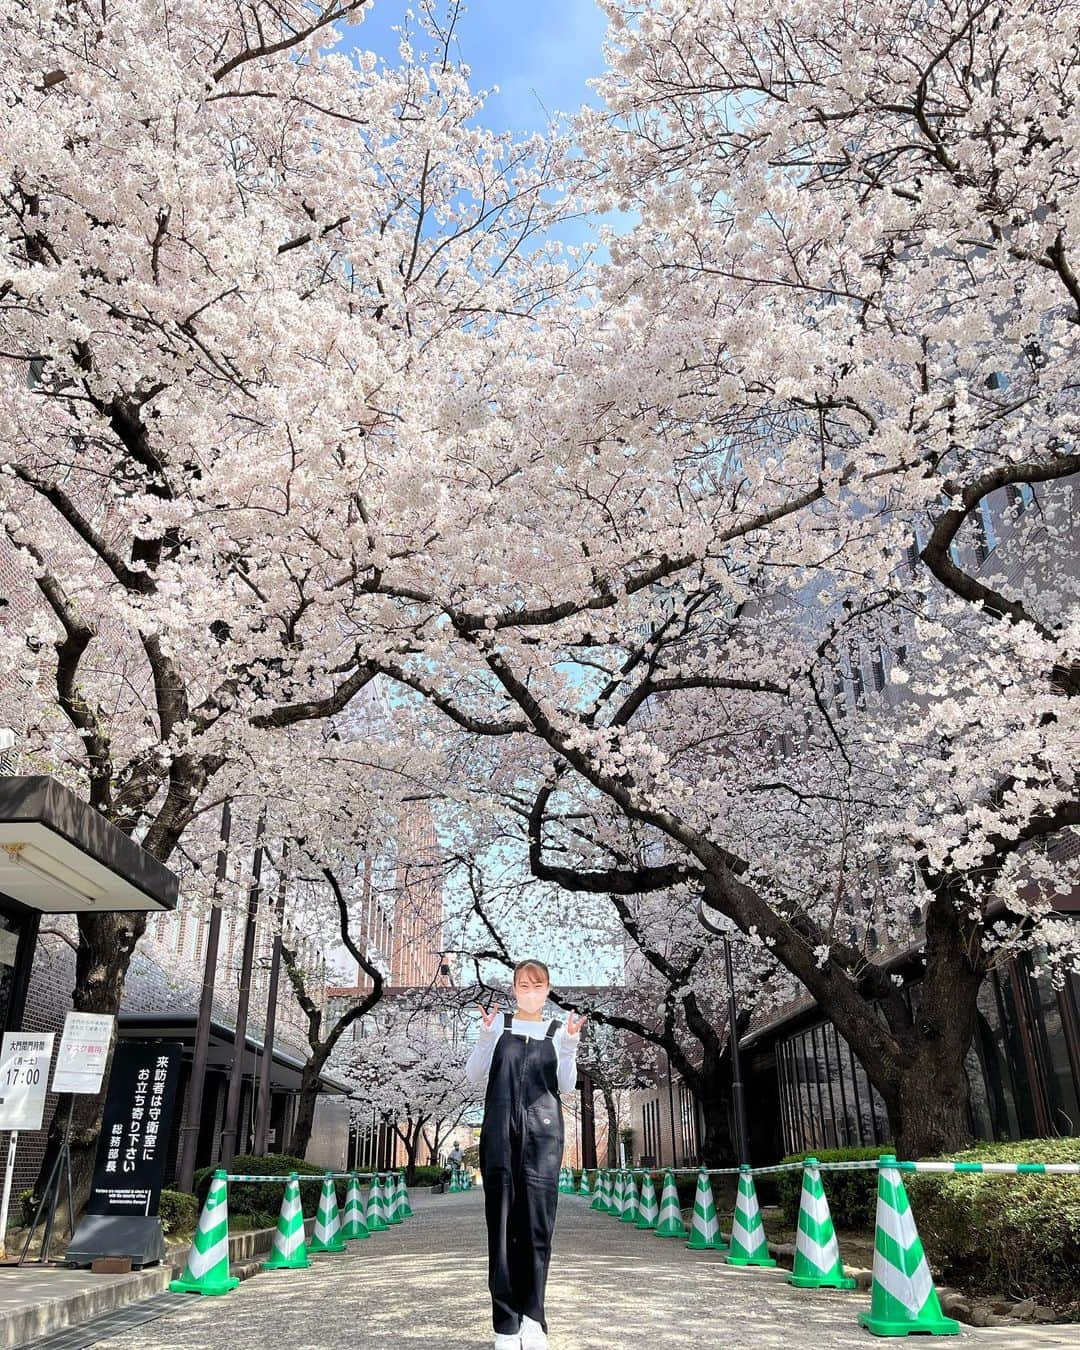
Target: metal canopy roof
59,855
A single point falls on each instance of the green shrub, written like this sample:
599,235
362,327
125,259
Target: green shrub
852,1195
259,1198
1012,1235
425,1176
179,1212
246,1223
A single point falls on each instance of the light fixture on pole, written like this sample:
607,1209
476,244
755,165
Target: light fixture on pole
741,1133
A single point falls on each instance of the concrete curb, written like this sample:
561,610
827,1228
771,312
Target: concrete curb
23,1326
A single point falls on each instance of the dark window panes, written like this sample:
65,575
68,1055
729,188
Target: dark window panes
997,1073
1015,1056
1061,1086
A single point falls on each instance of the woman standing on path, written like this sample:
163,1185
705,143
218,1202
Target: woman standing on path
528,1062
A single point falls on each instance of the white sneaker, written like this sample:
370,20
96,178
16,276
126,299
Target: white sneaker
533,1335
505,1341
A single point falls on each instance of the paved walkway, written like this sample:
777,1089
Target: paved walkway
423,1283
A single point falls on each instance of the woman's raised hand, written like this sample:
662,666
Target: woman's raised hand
574,1025
488,1018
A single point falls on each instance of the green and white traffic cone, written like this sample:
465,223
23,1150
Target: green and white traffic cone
354,1226
817,1253
327,1236
390,1202
289,1251
705,1227
374,1215
601,1192
903,1299
453,1188
618,1198
583,1186
630,1201
670,1223
207,1269
748,1243
648,1209
403,1197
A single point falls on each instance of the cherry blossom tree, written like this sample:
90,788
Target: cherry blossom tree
235,259
832,356
668,996
409,1067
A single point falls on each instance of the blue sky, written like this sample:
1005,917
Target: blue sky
539,54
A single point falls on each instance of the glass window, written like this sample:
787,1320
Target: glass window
847,1123
857,677
877,668
807,1087
989,533
1005,983
826,1115
10,932
996,1072
1061,1087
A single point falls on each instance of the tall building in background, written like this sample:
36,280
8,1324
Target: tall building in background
416,957
401,918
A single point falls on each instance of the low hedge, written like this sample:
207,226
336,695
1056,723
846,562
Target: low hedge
685,1185
852,1195
179,1212
261,1199
423,1176
1012,1235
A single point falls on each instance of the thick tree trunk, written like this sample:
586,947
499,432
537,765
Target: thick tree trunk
612,1128
412,1148
106,944
308,1095
930,1113
713,1093
925,1086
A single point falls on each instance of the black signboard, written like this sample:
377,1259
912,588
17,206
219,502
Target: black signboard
121,1214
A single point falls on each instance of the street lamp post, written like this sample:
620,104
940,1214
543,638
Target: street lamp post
742,1144
741,1133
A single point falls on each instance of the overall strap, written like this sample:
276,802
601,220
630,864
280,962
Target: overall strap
553,1027
508,1020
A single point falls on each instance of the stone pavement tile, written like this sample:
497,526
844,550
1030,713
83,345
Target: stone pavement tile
423,1283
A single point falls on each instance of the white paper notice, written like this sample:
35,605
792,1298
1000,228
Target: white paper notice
24,1078
84,1052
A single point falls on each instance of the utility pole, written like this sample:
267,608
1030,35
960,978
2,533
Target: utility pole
671,1111
262,1116
232,1104
190,1135
742,1134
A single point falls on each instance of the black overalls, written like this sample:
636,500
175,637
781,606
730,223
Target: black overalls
521,1148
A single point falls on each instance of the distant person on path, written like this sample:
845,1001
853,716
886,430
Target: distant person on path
456,1155
528,1062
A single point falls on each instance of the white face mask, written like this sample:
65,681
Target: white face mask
531,1000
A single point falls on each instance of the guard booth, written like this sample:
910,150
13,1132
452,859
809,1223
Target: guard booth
60,856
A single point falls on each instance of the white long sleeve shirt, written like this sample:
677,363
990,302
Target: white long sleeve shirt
566,1048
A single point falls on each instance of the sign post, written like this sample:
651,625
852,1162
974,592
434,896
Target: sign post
24,1078
121,1217
80,1066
